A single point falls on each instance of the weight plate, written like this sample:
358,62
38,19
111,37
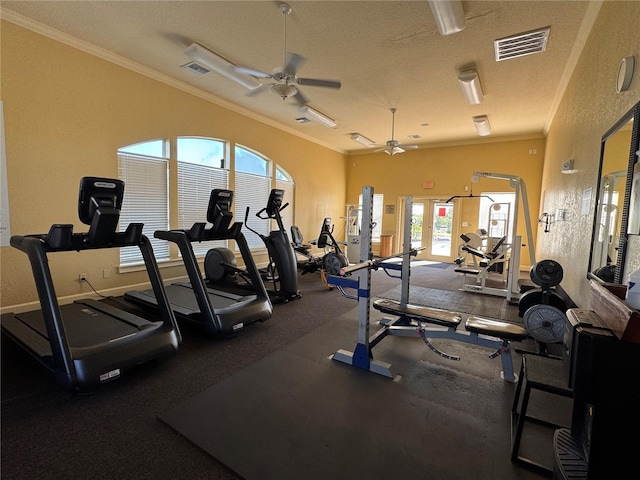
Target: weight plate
545,323
535,296
546,272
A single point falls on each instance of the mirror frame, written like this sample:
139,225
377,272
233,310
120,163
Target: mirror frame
634,114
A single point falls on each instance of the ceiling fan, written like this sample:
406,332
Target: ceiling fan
285,79
394,146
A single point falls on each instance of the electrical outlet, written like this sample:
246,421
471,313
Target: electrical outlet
82,277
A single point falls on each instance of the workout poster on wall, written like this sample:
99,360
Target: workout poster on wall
5,231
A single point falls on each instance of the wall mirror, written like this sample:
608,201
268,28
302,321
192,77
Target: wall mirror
615,245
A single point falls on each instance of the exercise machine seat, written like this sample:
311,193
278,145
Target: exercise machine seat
419,313
495,328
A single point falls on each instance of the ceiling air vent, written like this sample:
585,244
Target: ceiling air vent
522,44
196,68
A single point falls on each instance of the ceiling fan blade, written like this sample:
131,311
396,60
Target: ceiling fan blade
318,82
301,99
250,71
408,146
293,63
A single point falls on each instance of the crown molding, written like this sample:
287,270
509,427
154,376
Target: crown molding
123,62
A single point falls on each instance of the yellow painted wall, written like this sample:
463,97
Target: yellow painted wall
588,109
67,113
450,168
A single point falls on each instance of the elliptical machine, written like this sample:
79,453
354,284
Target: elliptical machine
282,270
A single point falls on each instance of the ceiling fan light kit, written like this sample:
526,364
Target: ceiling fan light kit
392,150
284,90
449,15
362,140
317,116
218,64
471,88
393,146
481,122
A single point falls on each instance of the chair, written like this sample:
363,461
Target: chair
542,373
311,263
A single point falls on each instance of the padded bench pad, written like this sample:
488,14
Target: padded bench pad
495,328
419,313
470,271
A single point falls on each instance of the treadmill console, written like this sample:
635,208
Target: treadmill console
219,211
99,203
98,193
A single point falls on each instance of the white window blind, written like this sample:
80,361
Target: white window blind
146,194
195,183
378,201
252,191
287,213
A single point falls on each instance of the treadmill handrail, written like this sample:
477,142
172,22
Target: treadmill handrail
34,247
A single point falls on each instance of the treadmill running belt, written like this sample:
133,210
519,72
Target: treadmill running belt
85,327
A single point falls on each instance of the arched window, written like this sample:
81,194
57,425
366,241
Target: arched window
144,169
201,168
202,164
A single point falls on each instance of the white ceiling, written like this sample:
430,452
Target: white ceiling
386,54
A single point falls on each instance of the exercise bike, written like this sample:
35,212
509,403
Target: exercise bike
282,271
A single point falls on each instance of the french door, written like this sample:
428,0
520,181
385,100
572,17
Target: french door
433,227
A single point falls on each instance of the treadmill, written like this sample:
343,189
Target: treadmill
88,342
216,311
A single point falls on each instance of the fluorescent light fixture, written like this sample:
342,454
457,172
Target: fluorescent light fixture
471,88
317,116
449,15
214,62
362,140
481,122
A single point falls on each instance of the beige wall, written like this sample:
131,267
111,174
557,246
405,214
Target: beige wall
588,109
67,113
450,169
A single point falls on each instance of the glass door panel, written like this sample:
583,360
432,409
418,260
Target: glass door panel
441,231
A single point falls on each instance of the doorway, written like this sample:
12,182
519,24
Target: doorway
433,227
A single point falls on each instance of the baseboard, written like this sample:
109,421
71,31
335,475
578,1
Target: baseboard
110,292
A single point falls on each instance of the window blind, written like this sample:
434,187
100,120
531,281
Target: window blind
287,213
195,183
376,212
146,196
252,191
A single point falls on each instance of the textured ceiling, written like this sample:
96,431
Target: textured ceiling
386,54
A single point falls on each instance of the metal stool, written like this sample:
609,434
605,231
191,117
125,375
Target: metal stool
540,373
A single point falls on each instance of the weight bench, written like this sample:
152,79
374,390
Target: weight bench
429,323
